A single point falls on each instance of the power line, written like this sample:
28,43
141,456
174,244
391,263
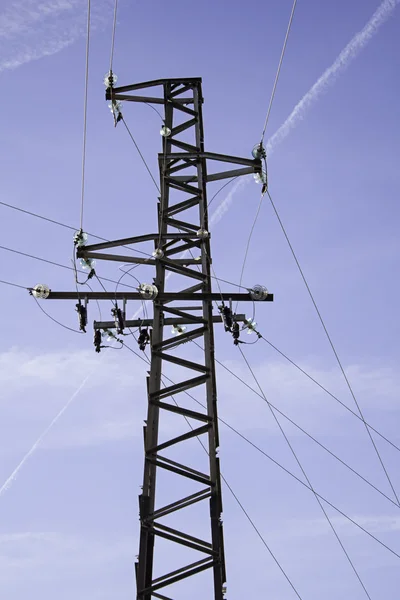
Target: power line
32,214
260,536
263,134
140,154
55,320
85,112
113,34
98,237
327,392
45,260
219,279
14,284
305,474
279,70
43,218
249,240
281,466
345,464
332,346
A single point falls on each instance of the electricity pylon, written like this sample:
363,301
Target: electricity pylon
182,228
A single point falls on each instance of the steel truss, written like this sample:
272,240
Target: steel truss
185,170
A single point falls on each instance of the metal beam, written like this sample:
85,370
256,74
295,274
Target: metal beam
169,321
162,297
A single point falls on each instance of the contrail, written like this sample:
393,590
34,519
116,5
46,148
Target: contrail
17,469
347,55
357,43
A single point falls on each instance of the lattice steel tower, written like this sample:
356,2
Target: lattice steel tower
183,226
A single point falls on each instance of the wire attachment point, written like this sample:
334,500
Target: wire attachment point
165,131
40,291
80,238
258,292
158,253
110,79
259,152
178,329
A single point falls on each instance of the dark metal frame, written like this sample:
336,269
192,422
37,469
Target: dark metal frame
178,96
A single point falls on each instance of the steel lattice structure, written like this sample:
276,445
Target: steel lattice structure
182,227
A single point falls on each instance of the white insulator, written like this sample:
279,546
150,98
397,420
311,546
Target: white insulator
258,292
110,79
178,329
109,335
202,234
80,238
165,131
260,177
158,253
148,291
250,325
115,106
41,291
258,151
87,264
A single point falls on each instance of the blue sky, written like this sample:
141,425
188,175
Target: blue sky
69,521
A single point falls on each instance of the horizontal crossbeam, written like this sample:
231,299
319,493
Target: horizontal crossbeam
137,239
134,259
241,318
162,297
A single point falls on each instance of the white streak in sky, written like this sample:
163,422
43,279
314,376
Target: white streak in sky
7,484
347,55
224,206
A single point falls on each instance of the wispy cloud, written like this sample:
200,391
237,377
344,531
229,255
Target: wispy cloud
56,553
30,30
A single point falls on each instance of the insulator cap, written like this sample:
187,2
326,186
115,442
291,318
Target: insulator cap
258,292
80,238
41,291
158,253
258,152
87,264
260,177
202,234
148,291
110,79
165,131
